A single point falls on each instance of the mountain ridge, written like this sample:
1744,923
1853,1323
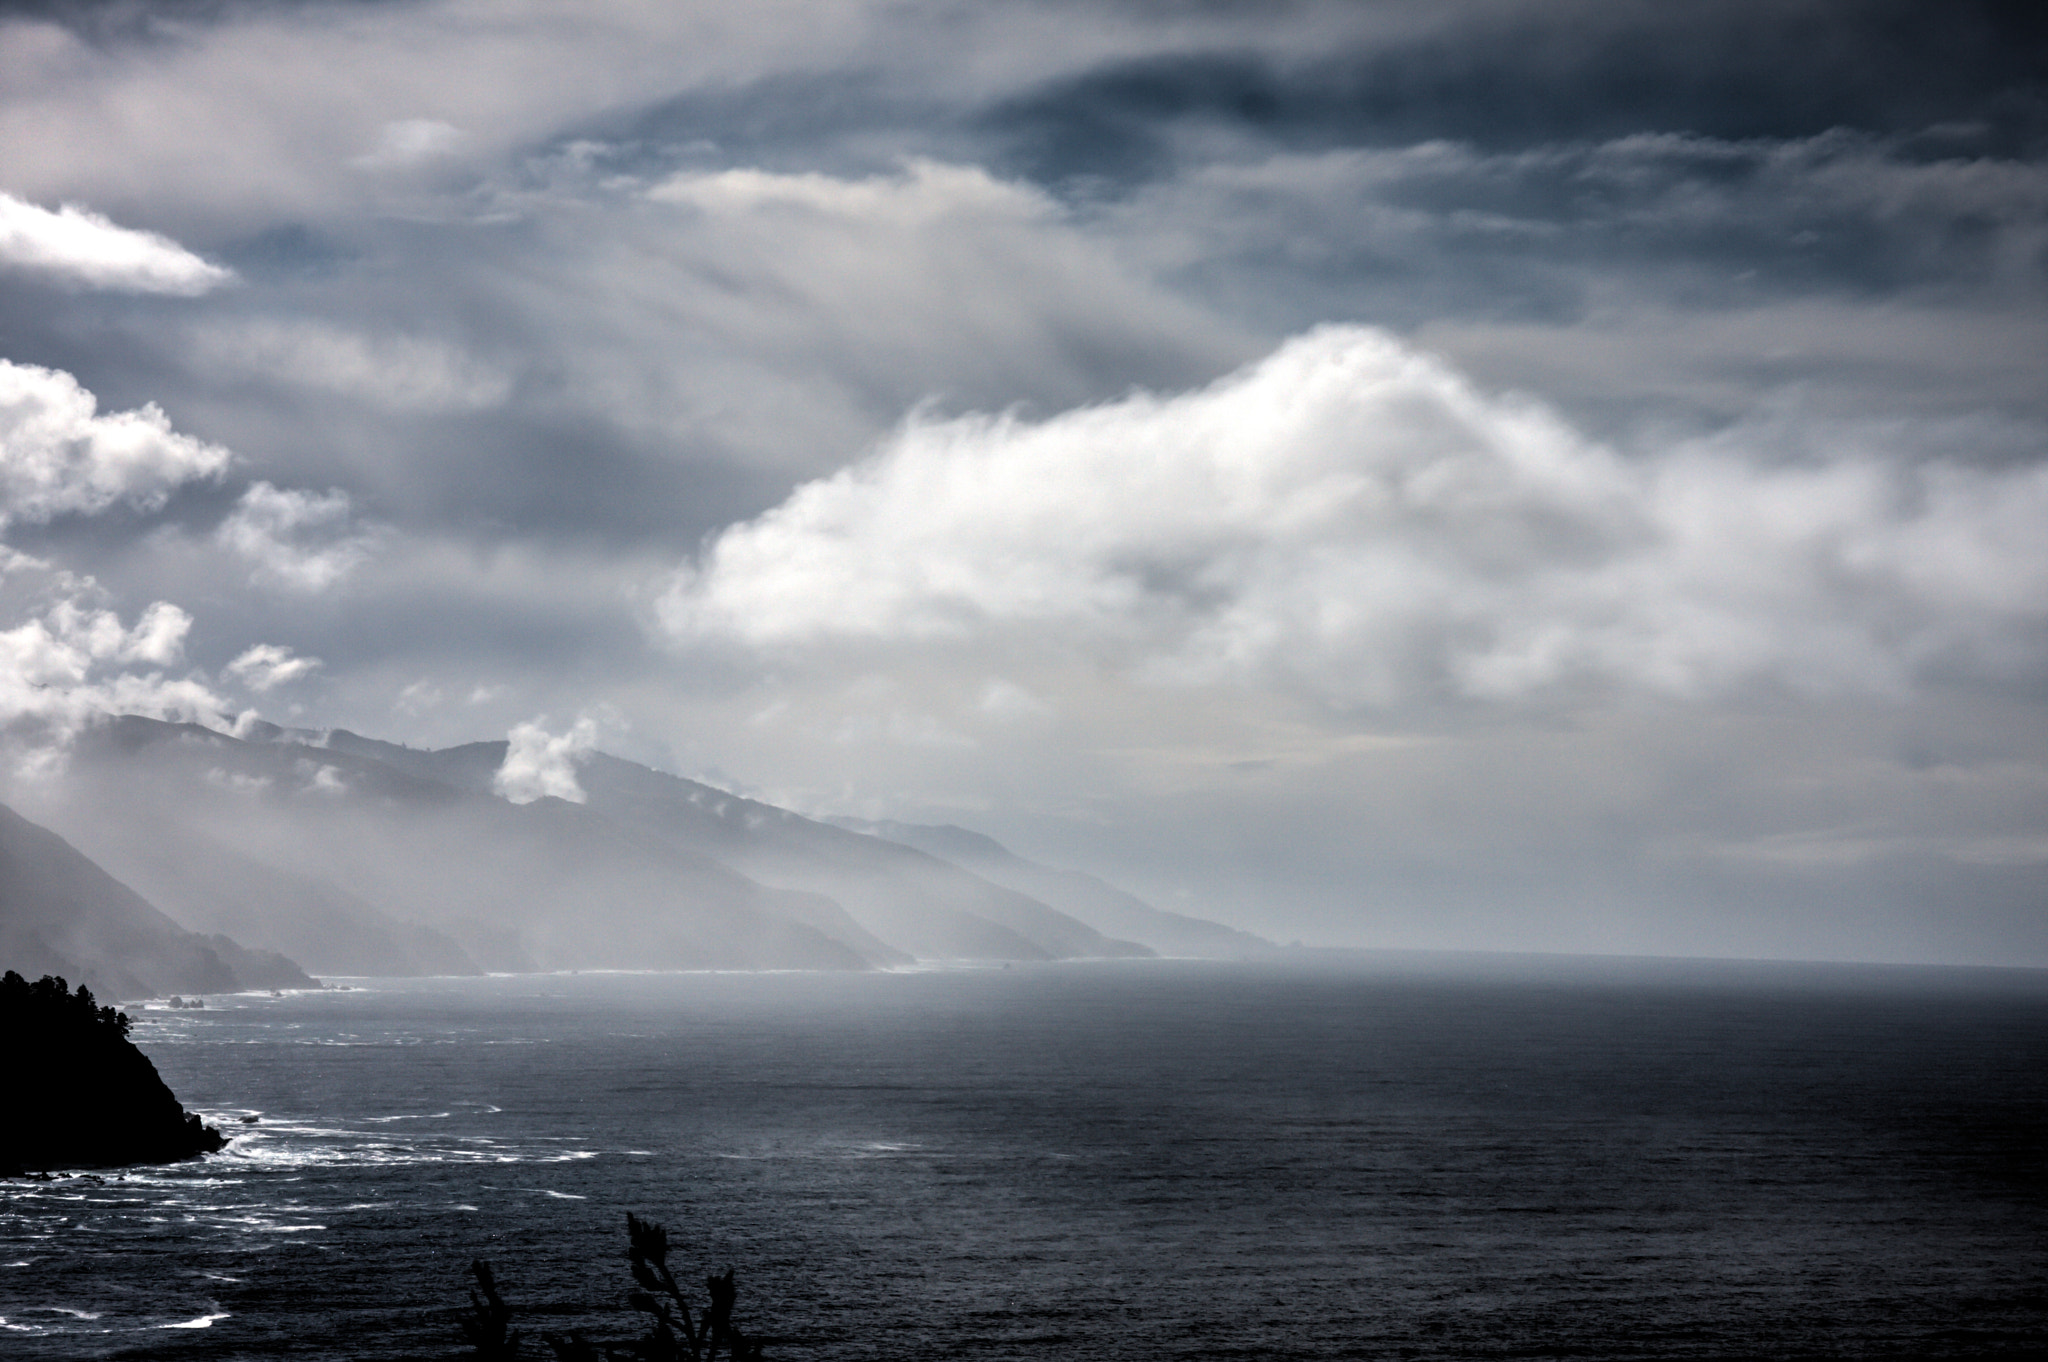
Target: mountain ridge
904,906
1108,908
62,914
358,855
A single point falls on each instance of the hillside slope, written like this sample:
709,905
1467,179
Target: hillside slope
359,848
60,913
902,902
370,857
1103,906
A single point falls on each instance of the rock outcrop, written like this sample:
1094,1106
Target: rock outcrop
80,1094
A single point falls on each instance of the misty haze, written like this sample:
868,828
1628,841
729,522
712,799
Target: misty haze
834,680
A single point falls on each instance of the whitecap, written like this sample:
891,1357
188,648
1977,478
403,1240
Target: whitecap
565,1196
182,1183
203,1322
259,1224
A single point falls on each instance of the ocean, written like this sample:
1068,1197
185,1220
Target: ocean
1324,1155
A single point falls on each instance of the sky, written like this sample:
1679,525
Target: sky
1490,474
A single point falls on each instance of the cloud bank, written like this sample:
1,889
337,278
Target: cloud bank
1354,515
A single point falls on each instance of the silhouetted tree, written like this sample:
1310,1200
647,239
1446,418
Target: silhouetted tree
47,1005
676,1331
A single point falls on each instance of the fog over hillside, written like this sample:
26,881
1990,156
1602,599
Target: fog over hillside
1077,892
62,914
356,856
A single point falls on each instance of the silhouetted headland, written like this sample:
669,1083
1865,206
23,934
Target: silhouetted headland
80,1094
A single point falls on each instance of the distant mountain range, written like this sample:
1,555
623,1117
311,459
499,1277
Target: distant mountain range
1107,907
61,914
347,855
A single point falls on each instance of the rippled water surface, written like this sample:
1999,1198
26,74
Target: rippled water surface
1324,1159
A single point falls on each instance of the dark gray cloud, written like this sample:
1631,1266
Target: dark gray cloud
1516,77
1592,262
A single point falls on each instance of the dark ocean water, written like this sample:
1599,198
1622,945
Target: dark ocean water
1397,1157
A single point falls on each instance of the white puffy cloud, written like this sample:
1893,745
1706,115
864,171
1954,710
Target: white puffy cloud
81,247
71,638
539,763
74,662
1354,516
59,455
303,541
68,658
267,666
158,637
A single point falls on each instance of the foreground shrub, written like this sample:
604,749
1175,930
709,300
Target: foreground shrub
675,1331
